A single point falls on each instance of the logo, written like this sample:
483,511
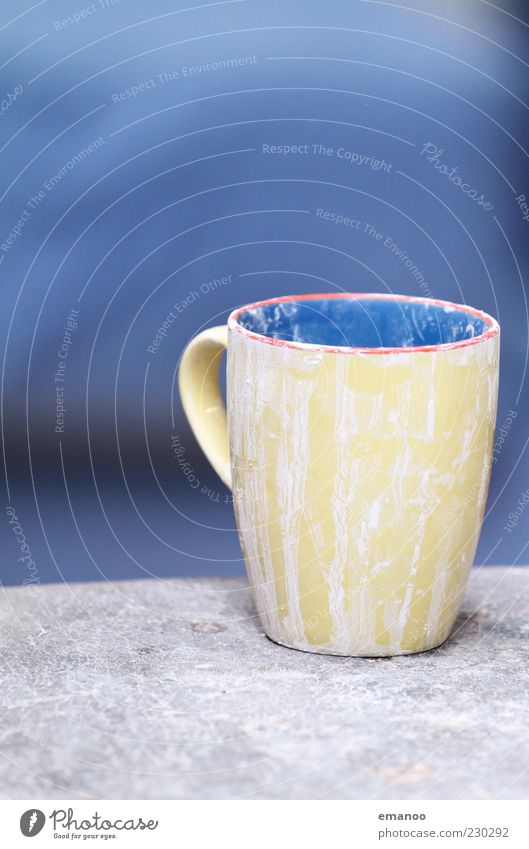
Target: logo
31,822
64,824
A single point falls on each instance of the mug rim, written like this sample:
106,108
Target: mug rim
493,327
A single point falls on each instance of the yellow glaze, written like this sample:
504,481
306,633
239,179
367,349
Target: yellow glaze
359,483
198,381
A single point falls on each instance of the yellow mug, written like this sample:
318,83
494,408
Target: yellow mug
357,442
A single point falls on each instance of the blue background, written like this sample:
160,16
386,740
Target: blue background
179,208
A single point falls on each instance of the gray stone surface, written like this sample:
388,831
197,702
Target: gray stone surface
168,689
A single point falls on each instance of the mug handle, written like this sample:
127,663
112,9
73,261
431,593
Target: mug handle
198,380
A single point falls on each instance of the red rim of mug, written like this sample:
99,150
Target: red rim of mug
492,324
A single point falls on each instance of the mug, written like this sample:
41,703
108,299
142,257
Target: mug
357,443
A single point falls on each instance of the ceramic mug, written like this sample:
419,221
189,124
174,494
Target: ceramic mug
357,443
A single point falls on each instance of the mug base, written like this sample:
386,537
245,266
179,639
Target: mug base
371,655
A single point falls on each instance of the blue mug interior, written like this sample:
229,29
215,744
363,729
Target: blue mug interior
362,322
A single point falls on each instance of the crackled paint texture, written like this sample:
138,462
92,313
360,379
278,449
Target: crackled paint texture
359,486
